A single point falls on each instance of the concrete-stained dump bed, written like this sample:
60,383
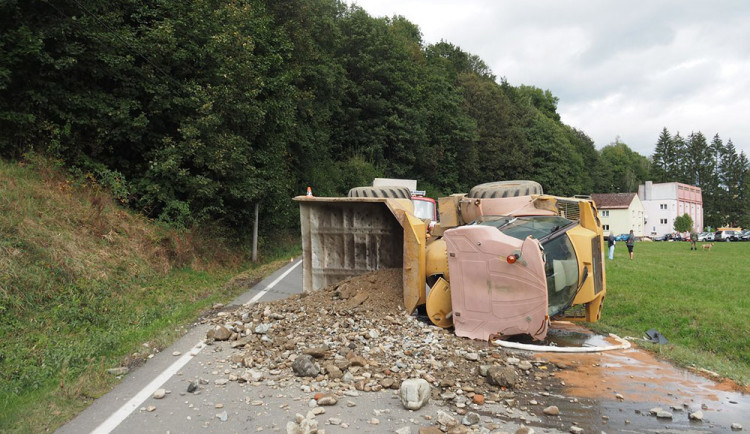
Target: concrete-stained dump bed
344,238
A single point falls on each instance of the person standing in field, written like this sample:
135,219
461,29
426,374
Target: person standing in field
693,240
630,243
611,244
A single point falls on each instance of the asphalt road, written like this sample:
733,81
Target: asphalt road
268,406
240,407
121,410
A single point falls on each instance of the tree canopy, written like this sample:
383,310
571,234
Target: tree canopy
683,223
194,112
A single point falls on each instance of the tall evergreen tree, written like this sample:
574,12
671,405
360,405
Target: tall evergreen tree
661,159
730,180
743,218
676,160
710,187
698,160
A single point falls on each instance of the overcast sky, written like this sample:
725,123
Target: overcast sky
620,68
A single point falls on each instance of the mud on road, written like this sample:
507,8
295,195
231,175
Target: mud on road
626,385
361,342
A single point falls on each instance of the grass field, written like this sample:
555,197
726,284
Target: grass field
698,300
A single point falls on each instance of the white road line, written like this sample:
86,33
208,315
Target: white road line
117,417
268,288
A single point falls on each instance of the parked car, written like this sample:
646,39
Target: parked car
727,236
665,237
622,237
706,236
745,236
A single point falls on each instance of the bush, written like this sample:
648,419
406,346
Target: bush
683,223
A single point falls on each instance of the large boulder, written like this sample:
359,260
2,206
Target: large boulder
303,366
502,376
414,393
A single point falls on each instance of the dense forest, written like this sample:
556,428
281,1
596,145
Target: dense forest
193,112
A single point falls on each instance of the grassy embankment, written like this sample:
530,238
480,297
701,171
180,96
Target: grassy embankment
84,284
698,300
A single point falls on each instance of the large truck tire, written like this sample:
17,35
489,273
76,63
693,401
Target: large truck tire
381,192
497,189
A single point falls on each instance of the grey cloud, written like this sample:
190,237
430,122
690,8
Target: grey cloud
619,68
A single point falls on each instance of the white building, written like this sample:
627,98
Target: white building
620,213
665,202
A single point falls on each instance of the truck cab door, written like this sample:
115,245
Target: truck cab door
490,295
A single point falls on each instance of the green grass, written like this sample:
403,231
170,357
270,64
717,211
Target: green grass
84,284
698,300
54,362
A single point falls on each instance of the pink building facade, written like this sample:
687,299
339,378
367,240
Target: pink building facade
663,203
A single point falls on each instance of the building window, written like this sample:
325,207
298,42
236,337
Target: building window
662,206
663,221
605,227
605,213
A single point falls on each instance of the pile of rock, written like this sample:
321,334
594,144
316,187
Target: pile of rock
357,336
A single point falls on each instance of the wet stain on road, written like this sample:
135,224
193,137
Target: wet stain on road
616,390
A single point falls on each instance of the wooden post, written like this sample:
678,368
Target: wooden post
255,234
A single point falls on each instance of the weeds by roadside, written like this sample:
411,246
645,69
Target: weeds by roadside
85,284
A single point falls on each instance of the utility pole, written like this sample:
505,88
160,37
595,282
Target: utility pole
255,233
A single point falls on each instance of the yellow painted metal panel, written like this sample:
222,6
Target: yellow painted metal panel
414,260
439,306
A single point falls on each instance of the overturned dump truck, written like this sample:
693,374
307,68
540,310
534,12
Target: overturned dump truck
502,260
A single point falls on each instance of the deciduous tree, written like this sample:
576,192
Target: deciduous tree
683,223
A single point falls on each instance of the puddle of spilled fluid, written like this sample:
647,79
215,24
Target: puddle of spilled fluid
616,389
570,335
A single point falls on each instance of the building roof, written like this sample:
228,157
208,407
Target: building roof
612,200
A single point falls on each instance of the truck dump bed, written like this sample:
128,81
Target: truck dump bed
344,237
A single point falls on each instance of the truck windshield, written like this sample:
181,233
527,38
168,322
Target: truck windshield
561,263
423,209
521,227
